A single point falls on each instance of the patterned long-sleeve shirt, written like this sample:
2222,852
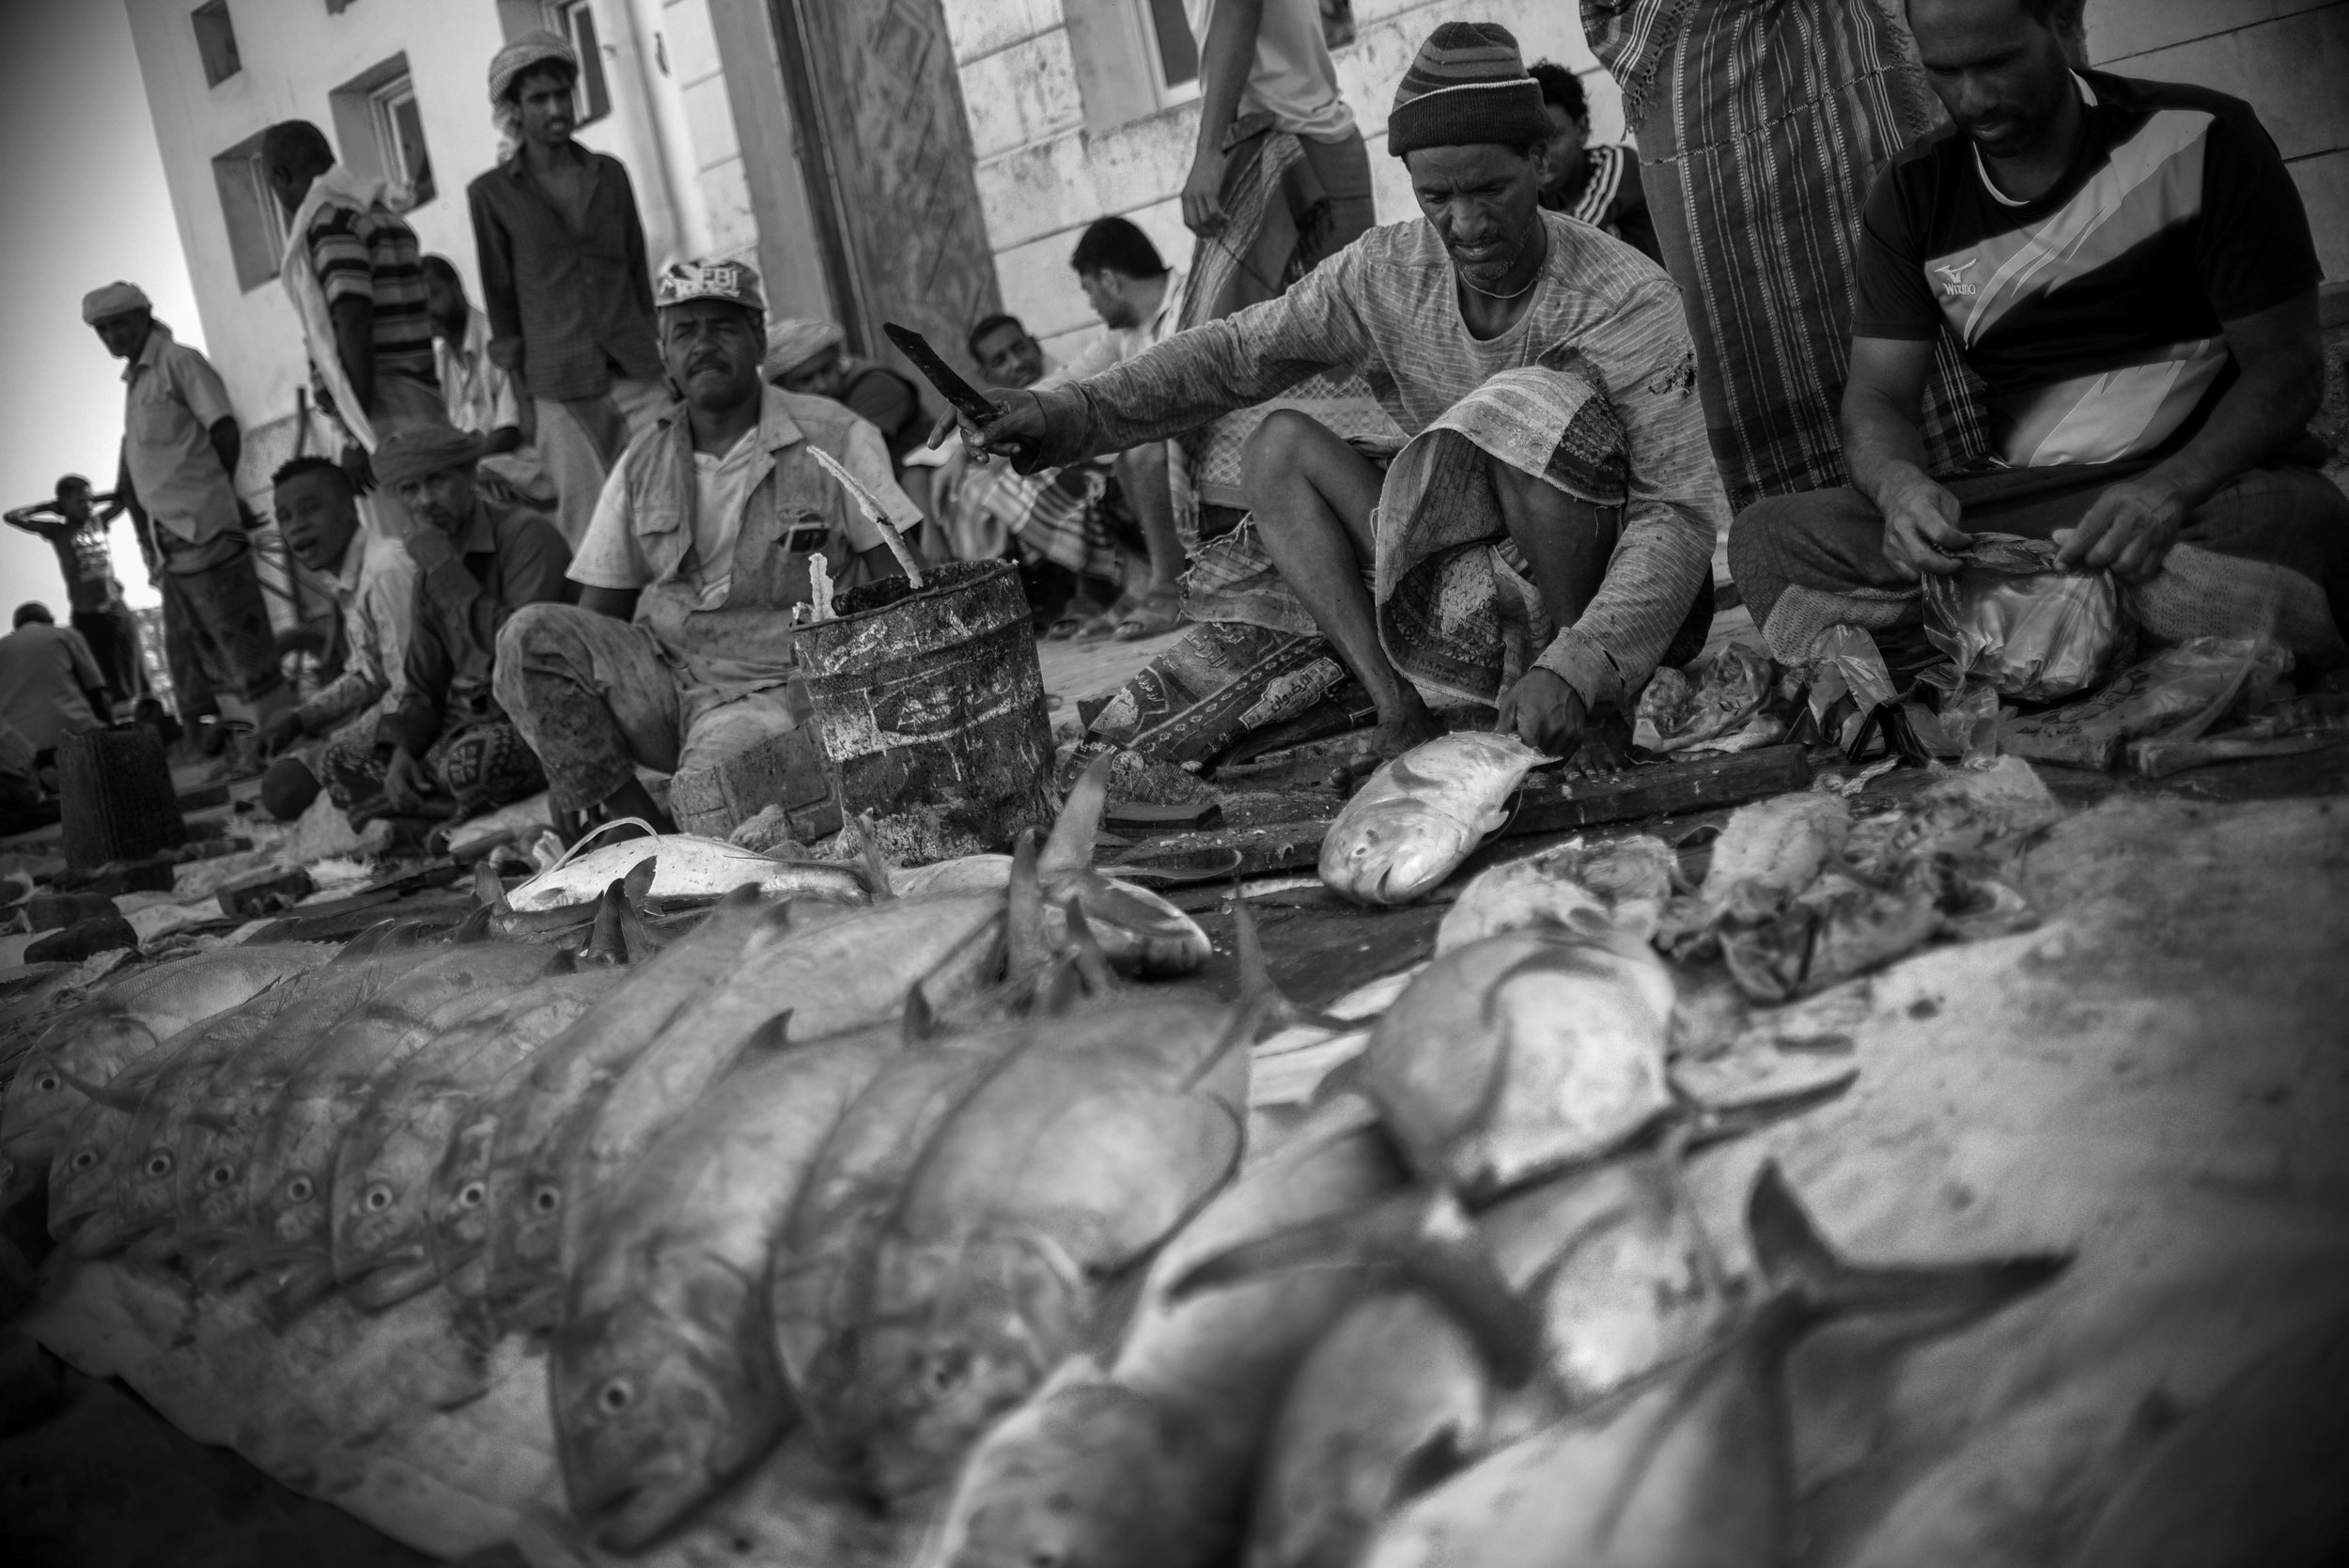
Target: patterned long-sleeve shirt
1386,307
375,591
505,557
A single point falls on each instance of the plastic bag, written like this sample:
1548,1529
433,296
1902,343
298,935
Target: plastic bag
1846,663
1703,705
2011,619
2183,690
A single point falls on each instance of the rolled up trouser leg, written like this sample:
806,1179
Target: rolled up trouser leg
591,695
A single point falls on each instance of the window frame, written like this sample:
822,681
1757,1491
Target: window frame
562,18
215,31
383,102
239,169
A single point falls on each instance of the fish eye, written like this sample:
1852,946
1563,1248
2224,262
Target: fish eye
470,1195
614,1397
379,1197
944,1374
87,1159
46,1083
545,1200
158,1164
222,1175
299,1189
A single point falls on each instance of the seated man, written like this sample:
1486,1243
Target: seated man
678,656
446,748
49,685
812,359
374,582
2127,266
1599,185
1546,536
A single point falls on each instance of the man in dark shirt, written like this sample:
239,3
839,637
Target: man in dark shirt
1596,185
76,530
448,748
563,277
2127,267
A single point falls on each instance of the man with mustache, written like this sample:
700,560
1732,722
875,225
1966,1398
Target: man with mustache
445,748
678,656
2127,267
565,280
1545,539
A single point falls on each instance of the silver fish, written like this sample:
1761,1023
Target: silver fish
1421,815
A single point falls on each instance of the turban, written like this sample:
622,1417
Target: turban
423,452
112,299
534,48
795,340
734,282
1466,88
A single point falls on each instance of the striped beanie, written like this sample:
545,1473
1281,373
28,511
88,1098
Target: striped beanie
1468,86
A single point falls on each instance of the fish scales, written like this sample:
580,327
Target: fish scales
1513,1057
846,973
663,1372
385,1166
522,1203
688,866
1153,1464
125,1021
214,1127
1423,813
1105,1132
291,1178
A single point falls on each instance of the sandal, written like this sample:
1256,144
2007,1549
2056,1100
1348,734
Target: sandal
1067,629
1153,615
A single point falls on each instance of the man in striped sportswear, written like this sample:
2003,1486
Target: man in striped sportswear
2127,267
1544,539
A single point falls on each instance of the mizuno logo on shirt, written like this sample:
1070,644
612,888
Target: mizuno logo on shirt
1953,278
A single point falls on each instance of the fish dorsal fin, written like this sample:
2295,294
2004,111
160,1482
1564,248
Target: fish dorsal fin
1070,848
474,927
103,1093
1092,963
606,943
869,856
1795,1258
487,891
1061,985
919,1024
637,885
365,943
774,1034
1023,910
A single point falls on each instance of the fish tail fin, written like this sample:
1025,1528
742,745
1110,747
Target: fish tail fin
637,885
103,1094
1023,925
1424,1238
919,1024
637,938
774,1034
1070,848
1092,963
489,890
367,942
607,943
1796,1256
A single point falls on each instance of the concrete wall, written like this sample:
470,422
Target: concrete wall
1042,176
2288,58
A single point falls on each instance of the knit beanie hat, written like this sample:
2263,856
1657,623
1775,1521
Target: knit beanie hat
1468,86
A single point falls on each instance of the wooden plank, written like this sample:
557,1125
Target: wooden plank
1548,806
1551,805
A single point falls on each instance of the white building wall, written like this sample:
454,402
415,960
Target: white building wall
1042,177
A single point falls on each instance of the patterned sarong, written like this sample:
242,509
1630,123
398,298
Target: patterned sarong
1761,128
1060,515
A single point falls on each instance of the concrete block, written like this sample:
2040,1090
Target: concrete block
2324,183
1021,94
690,42
727,198
980,28
1073,178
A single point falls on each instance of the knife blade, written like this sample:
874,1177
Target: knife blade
967,400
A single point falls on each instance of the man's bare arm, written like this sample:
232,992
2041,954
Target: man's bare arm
1223,64
1884,447
354,344
40,518
2280,384
227,445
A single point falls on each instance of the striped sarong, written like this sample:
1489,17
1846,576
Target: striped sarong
1760,127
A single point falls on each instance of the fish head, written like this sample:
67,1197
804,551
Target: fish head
82,1172
655,1405
458,1202
290,1211
382,1190
525,1242
1082,1476
1396,850
961,1335
47,1092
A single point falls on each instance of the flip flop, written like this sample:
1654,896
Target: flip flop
1152,615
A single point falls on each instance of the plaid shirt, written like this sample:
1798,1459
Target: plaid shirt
566,306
